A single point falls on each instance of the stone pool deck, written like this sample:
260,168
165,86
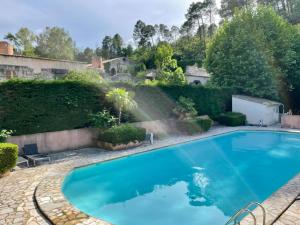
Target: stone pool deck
32,196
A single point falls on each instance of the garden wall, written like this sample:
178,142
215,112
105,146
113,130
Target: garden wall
58,141
290,121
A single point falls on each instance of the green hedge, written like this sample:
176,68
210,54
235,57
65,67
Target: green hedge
158,102
205,124
194,126
232,119
8,157
28,107
123,134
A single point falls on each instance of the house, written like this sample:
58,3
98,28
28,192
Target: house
196,75
24,67
117,70
18,66
258,111
117,66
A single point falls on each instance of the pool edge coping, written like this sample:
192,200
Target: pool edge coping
58,210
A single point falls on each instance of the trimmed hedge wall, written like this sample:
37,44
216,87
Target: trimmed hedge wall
8,157
28,107
158,102
194,126
123,134
232,119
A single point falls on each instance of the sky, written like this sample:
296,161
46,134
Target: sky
88,21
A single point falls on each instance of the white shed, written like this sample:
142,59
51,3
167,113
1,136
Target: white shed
258,111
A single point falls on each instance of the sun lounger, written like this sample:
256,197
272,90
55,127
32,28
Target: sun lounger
32,154
22,160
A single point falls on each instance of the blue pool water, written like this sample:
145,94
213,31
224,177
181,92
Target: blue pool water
197,183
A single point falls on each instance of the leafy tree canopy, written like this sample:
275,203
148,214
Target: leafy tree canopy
55,42
256,53
168,70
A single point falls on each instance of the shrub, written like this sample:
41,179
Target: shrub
185,108
193,126
4,134
28,107
123,134
232,119
204,123
85,76
103,119
8,157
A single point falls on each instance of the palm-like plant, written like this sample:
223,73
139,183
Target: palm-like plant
122,99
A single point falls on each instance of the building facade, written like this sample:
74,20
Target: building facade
195,75
17,66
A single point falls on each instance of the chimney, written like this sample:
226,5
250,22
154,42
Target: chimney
6,48
97,62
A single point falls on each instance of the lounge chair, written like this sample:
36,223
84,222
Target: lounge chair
31,153
22,160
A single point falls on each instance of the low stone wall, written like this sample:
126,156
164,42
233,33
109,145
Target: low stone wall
58,141
290,121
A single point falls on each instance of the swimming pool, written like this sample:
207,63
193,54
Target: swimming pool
201,182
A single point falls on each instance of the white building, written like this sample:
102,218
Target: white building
196,75
258,111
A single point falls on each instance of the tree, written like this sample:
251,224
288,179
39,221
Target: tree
189,51
149,33
175,32
106,51
143,34
187,28
56,43
144,56
290,9
138,34
14,40
128,51
201,14
122,99
168,70
26,40
117,44
23,41
163,33
85,56
256,53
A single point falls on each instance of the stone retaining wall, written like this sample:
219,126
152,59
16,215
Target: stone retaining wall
58,141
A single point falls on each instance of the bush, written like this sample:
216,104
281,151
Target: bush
28,107
232,119
8,157
4,134
103,119
185,108
205,124
193,126
123,134
85,76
